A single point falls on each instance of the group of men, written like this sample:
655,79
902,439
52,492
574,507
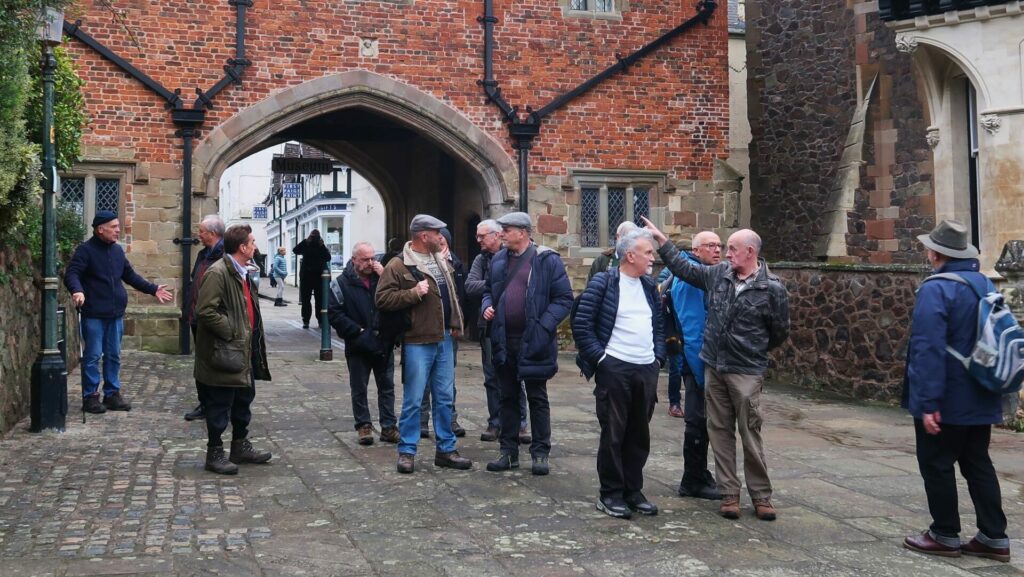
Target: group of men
729,314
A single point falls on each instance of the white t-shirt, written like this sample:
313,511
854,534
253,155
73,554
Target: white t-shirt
632,338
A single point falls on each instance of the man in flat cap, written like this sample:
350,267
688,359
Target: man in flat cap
526,296
420,281
94,278
953,416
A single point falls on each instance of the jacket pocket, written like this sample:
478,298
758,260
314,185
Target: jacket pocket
228,356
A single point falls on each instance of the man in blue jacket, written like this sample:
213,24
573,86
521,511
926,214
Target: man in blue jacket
620,334
953,416
688,302
94,278
526,296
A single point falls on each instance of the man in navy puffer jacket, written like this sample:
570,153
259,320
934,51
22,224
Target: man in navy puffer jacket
526,296
94,278
620,335
953,416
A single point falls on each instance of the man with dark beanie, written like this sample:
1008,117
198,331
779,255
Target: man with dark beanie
95,280
230,352
527,295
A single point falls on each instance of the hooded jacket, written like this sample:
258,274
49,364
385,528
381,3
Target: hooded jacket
688,302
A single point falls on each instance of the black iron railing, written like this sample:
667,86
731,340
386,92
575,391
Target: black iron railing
905,9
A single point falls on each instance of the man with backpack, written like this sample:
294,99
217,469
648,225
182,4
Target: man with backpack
351,312
953,414
419,283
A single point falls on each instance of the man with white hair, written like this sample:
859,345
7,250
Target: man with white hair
211,234
608,260
748,315
620,335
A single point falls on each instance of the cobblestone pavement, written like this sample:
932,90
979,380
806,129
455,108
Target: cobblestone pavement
126,493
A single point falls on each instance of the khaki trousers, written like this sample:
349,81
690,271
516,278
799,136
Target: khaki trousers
734,402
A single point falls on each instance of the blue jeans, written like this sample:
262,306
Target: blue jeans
675,378
101,337
426,365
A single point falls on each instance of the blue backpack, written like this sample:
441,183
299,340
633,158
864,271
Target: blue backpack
997,360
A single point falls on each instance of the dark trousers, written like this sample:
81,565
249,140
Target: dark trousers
311,287
227,404
383,369
626,394
968,446
675,378
540,411
199,386
493,389
695,438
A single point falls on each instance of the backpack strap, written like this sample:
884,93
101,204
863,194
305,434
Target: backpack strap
965,361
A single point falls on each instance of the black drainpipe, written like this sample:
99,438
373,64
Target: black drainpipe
523,131
188,122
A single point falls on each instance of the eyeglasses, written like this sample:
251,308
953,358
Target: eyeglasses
712,245
483,236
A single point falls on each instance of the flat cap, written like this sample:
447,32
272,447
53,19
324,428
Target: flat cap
103,217
517,219
422,222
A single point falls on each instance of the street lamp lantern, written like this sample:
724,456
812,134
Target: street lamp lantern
49,404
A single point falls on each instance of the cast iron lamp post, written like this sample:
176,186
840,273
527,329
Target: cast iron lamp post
49,379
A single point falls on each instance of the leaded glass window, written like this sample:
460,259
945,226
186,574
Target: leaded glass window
616,209
72,193
108,194
604,5
590,212
578,4
641,204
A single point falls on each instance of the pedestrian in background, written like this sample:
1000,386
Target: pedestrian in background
279,272
315,257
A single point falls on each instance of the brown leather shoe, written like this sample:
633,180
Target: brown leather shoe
390,435
365,432
924,543
976,548
406,463
764,509
452,461
676,411
730,507
490,435
524,436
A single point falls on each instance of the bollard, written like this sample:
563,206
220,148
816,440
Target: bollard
326,353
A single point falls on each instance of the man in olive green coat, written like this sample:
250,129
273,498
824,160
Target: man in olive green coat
230,352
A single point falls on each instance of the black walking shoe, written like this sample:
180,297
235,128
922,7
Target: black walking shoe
242,451
504,462
91,404
424,432
637,502
218,462
709,492
614,507
406,463
196,413
540,465
116,402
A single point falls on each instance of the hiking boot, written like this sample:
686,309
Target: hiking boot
365,432
490,435
457,428
242,451
976,548
675,411
218,462
196,413
406,463
91,404
390,435
540,465
504,462
638,503
614,507
116,402
524,436
452,461
764,509
730,507
709,492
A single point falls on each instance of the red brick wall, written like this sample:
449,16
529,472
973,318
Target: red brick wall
667,113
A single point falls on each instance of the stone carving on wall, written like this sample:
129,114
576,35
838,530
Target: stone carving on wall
906,44
991,123
1011,262
931,136
369,47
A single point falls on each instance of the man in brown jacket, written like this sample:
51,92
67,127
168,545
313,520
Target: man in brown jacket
420,281
230,352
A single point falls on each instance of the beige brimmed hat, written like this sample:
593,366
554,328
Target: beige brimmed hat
951,239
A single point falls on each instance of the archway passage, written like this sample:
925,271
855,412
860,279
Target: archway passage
420,154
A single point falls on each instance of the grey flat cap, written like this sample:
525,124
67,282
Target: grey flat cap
517,219
422,222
